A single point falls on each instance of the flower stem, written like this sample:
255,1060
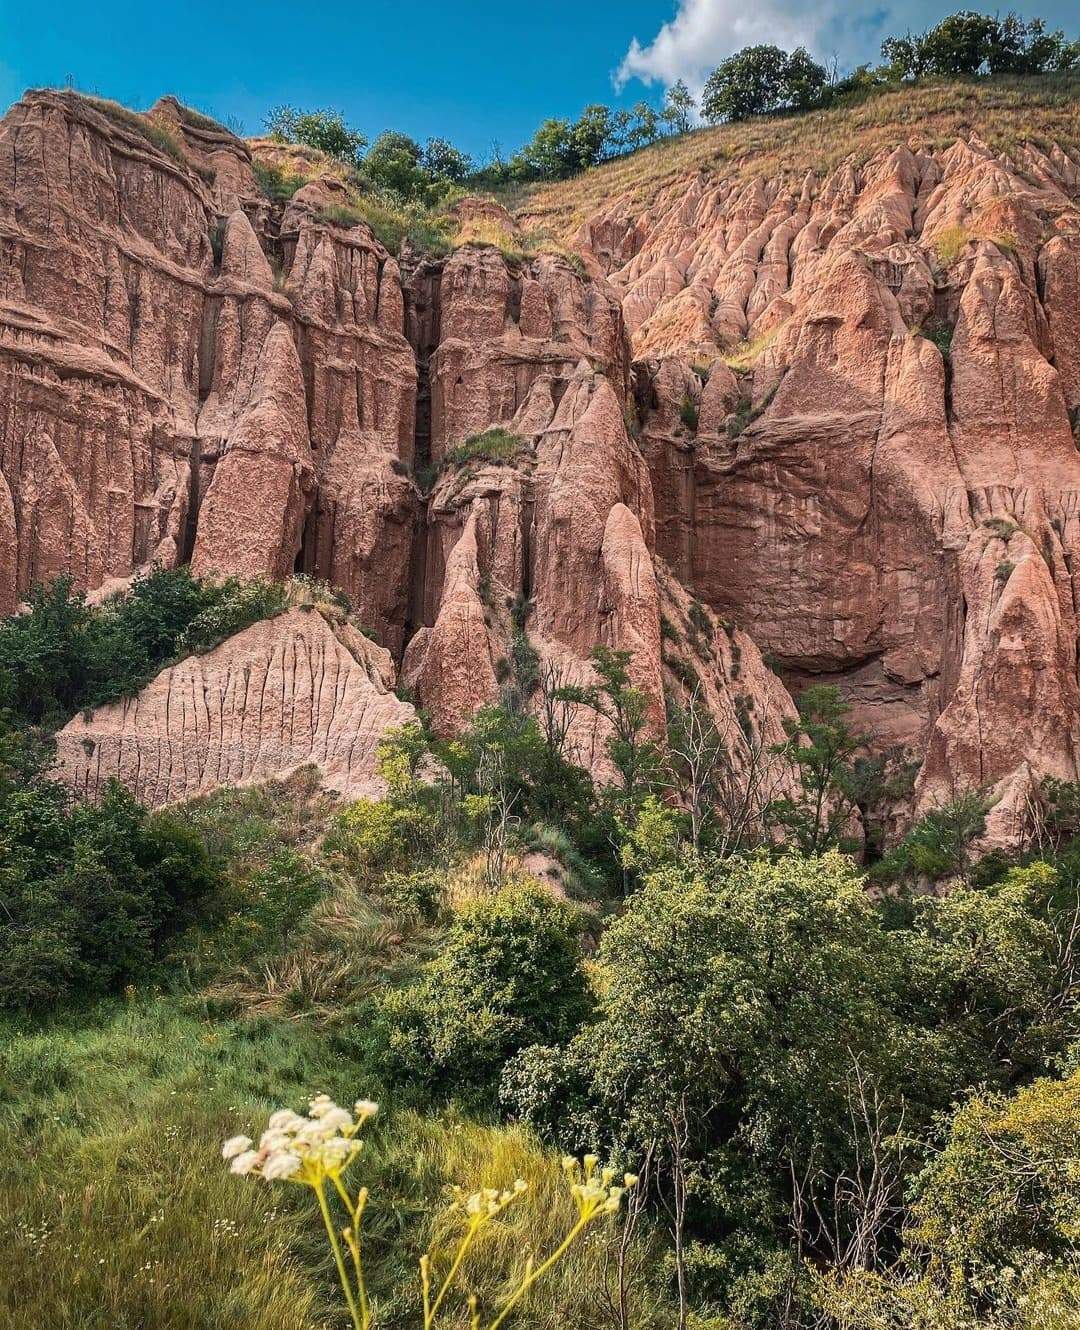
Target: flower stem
533,1275
339,1260
429,1318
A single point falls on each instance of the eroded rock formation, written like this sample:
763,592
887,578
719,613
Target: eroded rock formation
285,692
839,409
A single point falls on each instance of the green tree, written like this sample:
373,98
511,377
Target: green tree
393,162
804,80
644,126
590,137
325,130
823,746
750,82
961,43
625,707
679,107
442,160
550,153
905,57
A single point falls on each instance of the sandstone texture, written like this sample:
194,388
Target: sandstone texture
281,694
857,398
837,409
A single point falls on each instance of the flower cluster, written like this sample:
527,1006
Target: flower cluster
487,1203
303,1149
595,1193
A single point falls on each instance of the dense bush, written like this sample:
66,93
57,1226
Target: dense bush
509,975
994,1219
89,895
744,1009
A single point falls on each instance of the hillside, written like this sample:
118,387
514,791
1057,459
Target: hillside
819,373
1004,113
599,677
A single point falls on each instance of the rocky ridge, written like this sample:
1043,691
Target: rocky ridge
838,410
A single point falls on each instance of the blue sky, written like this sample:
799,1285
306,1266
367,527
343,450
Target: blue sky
469,72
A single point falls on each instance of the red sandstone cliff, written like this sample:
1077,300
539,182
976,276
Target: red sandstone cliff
190,372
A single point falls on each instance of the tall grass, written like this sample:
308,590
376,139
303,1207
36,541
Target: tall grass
116,1212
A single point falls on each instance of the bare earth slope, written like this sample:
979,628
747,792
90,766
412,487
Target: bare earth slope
821,374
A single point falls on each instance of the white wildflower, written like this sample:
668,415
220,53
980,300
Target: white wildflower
280,1164
244,1163
285,1120
336,1119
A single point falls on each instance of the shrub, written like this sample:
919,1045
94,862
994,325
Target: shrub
275,182
493,445
688,413
412,895
279,895
230,606
89,896
950,243
509,975
65,655
995,1216
938,845
372,834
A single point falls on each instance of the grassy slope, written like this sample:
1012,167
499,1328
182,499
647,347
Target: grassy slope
1002,113
116,1210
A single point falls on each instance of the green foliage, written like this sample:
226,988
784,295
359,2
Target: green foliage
688,413
991,966
279,895
396,222
966,44
941,336
561,148
443,161
324,130
65,655
995,1218
938,846
822,746
679,107
760,79
508,975
394,163
744,1007
89,896
275,182
228,607
493,445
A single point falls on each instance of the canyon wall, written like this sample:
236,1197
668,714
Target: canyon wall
838,410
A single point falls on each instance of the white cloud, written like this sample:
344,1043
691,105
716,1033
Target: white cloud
704,32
